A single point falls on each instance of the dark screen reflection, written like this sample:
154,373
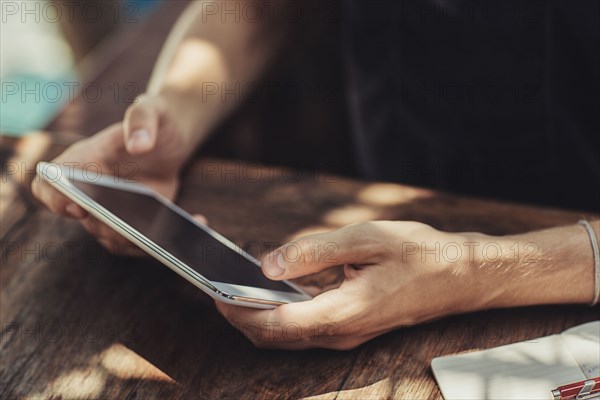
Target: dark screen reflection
180,237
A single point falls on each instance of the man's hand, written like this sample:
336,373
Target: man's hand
147,148
387,285
403,273
160,132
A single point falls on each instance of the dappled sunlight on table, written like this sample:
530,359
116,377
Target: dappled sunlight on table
91,381
379,390
85,382
124,363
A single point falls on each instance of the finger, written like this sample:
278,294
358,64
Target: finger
140,125
201,219
76,211
117,248
313,253
56,201
93,226
98,230
109,238
321,322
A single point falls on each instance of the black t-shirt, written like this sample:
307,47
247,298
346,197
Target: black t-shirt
490,98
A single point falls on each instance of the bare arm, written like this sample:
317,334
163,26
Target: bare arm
552,266
209,52
400,273
206,52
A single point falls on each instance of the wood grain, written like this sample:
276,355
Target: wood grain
78,322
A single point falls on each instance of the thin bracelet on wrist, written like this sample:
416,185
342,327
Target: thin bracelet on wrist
594,240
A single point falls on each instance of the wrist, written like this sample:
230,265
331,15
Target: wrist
552,266
478,287
491,263
461,281
193,95
180,112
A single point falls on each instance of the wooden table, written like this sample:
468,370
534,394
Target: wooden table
78,322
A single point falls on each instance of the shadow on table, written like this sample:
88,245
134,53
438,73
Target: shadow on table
79,322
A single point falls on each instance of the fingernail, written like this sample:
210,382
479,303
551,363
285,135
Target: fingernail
277,268
139,138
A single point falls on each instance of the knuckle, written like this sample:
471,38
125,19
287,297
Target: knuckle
368,228
352,328
306,250
294,251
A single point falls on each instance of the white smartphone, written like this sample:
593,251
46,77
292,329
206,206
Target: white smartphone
202,256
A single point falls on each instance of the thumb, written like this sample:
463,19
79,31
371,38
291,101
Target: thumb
140,125
312,253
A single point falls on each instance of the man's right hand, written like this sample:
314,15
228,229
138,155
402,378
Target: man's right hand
147,148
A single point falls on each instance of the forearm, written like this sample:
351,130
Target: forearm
552,266
205,55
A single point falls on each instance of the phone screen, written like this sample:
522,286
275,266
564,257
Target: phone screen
186,241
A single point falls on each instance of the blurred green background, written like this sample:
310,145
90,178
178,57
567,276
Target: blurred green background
41,46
